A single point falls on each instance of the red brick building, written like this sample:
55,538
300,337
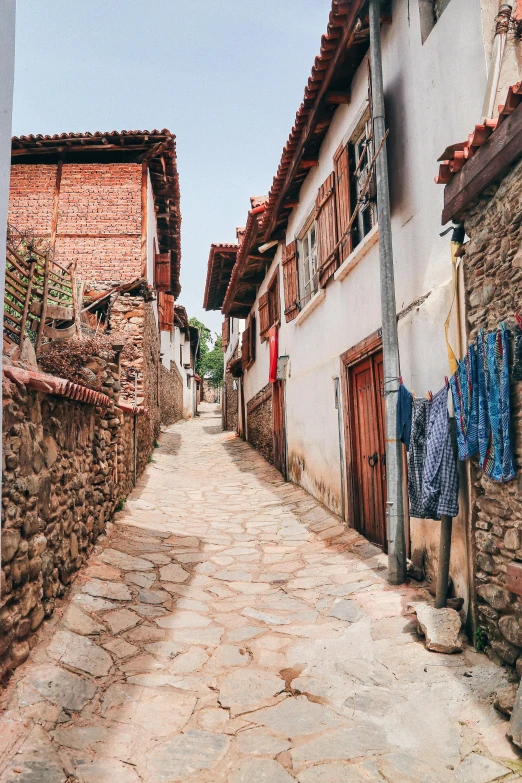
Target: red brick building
108,204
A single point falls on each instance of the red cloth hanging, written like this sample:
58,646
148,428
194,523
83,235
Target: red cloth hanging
274,353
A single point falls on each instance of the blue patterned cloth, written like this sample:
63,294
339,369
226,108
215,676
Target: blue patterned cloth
464,389
404,406
494,417
440,479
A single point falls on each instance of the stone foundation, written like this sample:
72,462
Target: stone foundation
66,467
259,422
171,394
493,282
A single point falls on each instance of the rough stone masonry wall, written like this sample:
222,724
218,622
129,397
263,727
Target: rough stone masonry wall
259,423
65,467
99,216
171,394
133,318
231,399
493,281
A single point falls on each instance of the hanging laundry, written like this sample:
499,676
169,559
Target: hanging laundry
464,390
404,408
419,428
516,372
495,452
440,480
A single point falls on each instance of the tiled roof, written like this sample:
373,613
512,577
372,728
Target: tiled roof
181,317
455,157
221,260
157,148
343,47
252,236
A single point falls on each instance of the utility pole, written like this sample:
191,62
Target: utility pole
390,342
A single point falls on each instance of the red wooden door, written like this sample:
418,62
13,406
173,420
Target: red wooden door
278,421
368,462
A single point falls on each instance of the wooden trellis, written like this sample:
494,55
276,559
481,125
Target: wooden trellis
40,299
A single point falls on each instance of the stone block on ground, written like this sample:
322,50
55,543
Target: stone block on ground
440,627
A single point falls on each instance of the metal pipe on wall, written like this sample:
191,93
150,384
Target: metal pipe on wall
390,342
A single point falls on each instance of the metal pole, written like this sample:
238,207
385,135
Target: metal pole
390,343
444,562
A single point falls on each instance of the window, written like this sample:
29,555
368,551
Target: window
307,262
361,153
269,307
430,12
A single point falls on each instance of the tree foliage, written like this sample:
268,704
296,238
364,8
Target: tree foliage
210,362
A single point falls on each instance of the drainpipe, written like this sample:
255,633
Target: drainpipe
390,342
497,55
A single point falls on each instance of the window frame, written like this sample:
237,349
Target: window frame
367,214
308,275
274,303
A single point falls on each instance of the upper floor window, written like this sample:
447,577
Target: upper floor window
430,13
307,260
269,306
361,153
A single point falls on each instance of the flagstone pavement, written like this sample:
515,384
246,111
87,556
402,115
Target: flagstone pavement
229,629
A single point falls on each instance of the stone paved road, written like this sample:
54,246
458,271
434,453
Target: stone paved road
231,630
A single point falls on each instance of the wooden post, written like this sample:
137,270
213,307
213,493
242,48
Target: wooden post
27,300
144,206
43,312
54,223
446,524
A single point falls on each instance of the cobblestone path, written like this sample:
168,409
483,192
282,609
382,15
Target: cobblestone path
229,629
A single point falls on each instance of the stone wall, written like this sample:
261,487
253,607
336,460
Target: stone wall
66,465
259,422
493,282
230,400
171,394
209,393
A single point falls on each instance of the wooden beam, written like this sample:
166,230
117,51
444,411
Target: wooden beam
503,147
144,194
343,42
290,204
308,163
336,98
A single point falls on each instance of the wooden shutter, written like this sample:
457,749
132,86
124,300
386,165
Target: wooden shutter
264,320
290,278
225,333
327,256
245,348
162,271
165,312
342,200
252,337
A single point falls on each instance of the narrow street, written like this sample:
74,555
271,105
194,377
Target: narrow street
230,630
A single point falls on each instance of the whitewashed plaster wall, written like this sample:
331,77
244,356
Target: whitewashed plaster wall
434,95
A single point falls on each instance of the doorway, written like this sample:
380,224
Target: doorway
366,455
278,423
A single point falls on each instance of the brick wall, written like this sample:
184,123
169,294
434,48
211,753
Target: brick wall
259,422
493,282
99,215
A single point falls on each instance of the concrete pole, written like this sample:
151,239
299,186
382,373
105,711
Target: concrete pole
390,344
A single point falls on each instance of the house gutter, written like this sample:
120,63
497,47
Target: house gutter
497,55
390,342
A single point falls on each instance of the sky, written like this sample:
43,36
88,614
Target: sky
226,76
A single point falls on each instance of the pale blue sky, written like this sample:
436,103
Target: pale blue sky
226,76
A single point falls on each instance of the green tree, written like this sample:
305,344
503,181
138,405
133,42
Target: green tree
210,362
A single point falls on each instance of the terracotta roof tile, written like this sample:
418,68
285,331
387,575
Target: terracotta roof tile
454,157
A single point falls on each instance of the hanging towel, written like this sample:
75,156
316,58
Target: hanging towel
404,407
516,372
495,453
419,427
440,480
464,390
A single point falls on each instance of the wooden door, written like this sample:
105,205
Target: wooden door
368,448
278,421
